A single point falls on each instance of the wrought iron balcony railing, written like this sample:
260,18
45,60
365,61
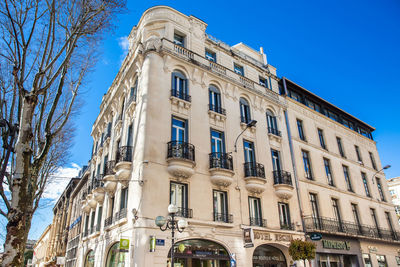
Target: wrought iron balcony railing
120,214
274,131
124,153
253,169
97,181
179,149
221,160
181,95
287,226
217,109
108,221
223,217
109,168
254,221
335,226
184,212
282,177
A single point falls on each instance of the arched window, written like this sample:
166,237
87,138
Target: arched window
266,255
89,260
116,257
272,124
244,111
180,86
215,100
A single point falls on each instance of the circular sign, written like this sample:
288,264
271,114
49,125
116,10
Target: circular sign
181,248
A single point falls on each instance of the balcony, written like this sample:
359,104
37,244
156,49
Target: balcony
108,221
330,225
283,184
184,212
221,168
98,189
217,109
181,95
120,215
258,222
123,167
287,226
181,159
254,174
85,206
274,131
217,115
223,217
110,183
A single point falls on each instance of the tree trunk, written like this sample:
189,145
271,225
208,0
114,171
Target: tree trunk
20,214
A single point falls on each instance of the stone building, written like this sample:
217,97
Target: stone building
41,251
394,190
210,128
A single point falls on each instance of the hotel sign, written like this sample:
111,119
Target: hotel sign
333,244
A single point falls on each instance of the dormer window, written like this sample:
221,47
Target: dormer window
211,56
264,82
179,39
238,69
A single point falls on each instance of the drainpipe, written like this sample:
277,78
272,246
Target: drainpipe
293,161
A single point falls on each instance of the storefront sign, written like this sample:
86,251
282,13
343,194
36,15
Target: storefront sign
372,249
281,237
333,244
124,245
160,242
248,237
315,236
262,236
152,243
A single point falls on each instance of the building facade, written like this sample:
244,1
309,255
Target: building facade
210,128
394,190
41,250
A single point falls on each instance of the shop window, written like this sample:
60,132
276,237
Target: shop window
116,257
381,261
367,260
266,255
89,260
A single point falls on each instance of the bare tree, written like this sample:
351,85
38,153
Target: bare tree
47,47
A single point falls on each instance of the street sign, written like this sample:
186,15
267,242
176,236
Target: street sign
160,242
315,236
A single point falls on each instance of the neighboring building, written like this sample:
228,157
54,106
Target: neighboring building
343,192
59,230
176,126
41,253
394,190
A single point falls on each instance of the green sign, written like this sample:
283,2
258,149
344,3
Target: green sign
332,244
315,236
124,244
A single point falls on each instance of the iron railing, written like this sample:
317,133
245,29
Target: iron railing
253,169
120,214
109,168
335,226
287,226
221,160
274,131
223,217
217,109
254,221
108,221
97,181
181,95
179,149
245,119
124,153
282,177
184,212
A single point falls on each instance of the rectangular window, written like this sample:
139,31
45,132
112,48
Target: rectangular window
354,209
249,155
398,260
217,142
374,219
380,190
371,156
284,216
381,260
179,39
389,222
255,212
99,217
300,129
211,56
315,210
238,69
327,164
321,138
295,96
92,216
220,206
130,135
179,197
347,178
359,158
86,226
264,82
340,147
313,105
307,165
179,127
336,212
367,260
276,161
365,182
332,115
124,198
112,201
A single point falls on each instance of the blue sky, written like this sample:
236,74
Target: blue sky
347,52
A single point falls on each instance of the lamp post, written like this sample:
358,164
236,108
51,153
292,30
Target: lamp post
249,124
8,145
173,224
384,168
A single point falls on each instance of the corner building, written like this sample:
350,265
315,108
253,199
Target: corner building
192,121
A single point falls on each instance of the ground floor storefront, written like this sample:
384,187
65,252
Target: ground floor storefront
380,254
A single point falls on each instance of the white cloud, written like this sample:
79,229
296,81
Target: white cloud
59,181
124,45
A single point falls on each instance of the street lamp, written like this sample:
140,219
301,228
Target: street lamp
249,124
173,224
384,168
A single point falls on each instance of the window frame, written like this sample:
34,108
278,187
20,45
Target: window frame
300,130
328,171
245,112
307,165
238,69
321,138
